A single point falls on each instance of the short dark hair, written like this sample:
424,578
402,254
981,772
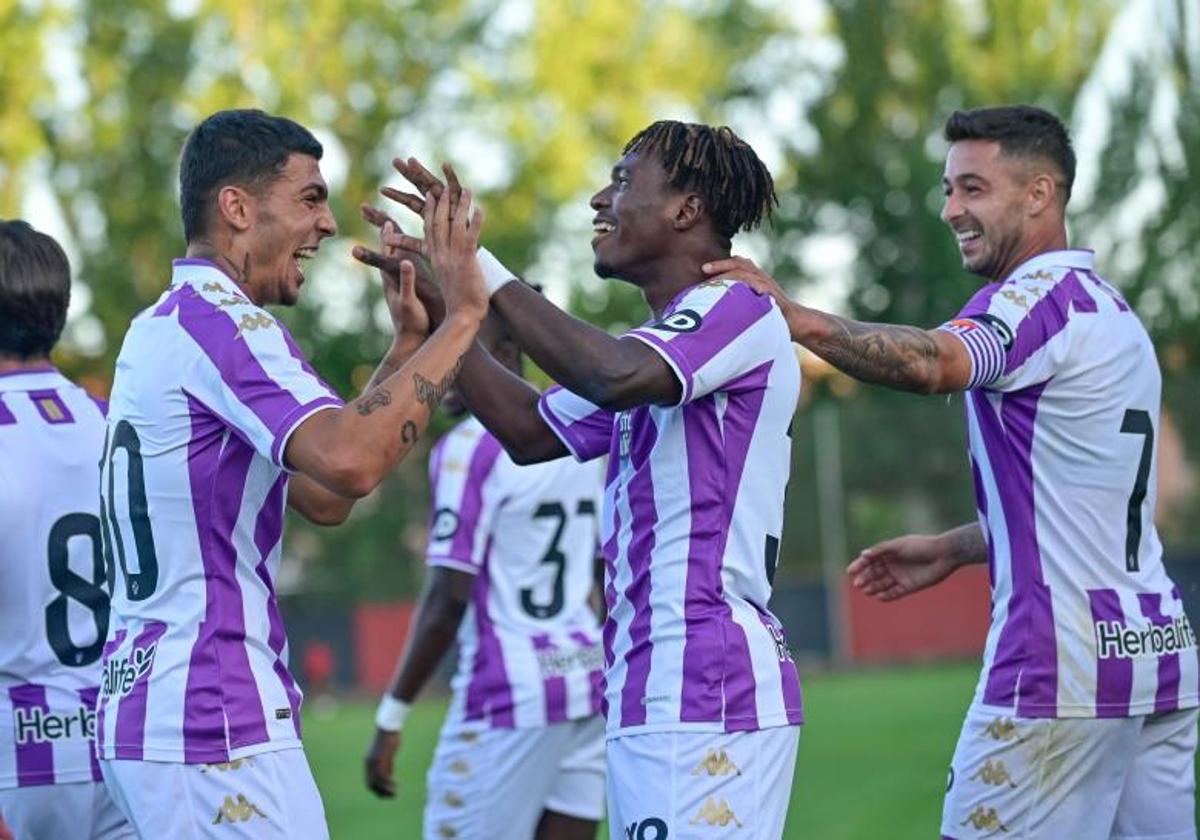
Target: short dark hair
246,147
737,189
35,289
1023,131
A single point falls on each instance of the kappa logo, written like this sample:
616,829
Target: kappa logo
121,675
214,287
715,812
241,810
460,768
716,763
255,321
1003,729
453,799
985,819
681,321
993,772
445,524
447,831
227,766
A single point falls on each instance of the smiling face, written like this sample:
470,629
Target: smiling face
987,206
291,217
633,221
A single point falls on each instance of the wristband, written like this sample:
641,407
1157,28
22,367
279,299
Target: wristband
391,714
495,274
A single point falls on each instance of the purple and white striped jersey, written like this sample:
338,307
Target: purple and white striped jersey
1062,414
693,514
53,592
529,644
208,389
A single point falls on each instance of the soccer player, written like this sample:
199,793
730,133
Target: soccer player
1084,721
693,410
512,556
53,590
216,422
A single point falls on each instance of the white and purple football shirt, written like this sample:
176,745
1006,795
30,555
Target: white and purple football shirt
53,590
208,389
1062,414
529,650
693,514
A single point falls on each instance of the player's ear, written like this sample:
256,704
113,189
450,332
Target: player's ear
1042,194
689,211
235,207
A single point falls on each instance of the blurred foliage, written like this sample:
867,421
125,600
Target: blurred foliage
533,99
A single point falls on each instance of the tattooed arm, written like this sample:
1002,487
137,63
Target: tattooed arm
901,357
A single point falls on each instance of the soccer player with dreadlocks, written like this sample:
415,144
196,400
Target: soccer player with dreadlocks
693,409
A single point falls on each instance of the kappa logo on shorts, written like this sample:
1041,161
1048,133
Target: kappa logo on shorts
240,811
460,768
993,772
985,819
716,763
453,799
445,524
681,321
715,812
226,766
1003,729
447,831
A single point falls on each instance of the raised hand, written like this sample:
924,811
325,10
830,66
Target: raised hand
898,567
451,242
428,186
380,761
399,268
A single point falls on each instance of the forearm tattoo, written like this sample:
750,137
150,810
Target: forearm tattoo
375,399
408,432
430,393
967,544
898,356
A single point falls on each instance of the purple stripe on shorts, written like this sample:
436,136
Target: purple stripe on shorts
111,645
1047,318
1166,696
220,666
88,696
554,689
643,518
51,406
268,530
35,759
595,677
7,418
483,460
489,693
130,734
1114,674
1025,664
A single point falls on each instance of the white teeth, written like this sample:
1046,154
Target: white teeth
967,236
602,227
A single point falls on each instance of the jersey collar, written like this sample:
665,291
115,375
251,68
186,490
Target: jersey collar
30,377
193,270
1080,258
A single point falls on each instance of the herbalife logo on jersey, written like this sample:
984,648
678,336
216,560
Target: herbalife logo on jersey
1114,640
121,675
35,726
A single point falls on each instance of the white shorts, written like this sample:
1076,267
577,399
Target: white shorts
697,784
269,796
1107,779
483,778
82,810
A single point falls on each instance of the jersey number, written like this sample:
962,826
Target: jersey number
92,594
1137,422
141,584
554,556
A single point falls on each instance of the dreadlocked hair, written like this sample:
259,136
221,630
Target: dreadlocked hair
737,188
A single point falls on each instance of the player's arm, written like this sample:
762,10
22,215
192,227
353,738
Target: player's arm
609,372
903,357
435,624
898,567
350,450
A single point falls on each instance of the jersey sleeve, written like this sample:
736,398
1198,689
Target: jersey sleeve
583,427
251,373
465,476
1015,332
719,332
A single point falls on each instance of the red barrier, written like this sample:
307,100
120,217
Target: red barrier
380,631
951,619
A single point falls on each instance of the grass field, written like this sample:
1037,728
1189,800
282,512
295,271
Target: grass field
873,758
